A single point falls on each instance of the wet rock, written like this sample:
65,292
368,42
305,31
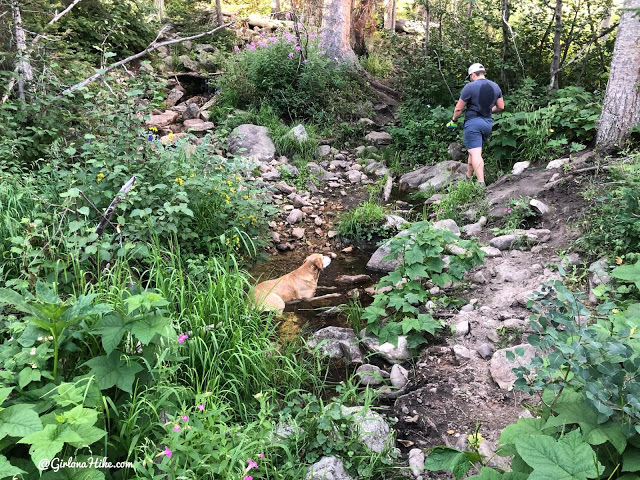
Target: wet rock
379,138
327,468
323,151
162,120
399,376
520,167
447,224
557,163
485,350
394,354
372,429
337,343
295,216
598,275
434,177
539,206
352,279
416,461
252,141
370,375
501,366
298,233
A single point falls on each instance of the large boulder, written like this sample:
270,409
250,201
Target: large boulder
434,177
337,343
377,262
163,119
598,275
252,141
372,429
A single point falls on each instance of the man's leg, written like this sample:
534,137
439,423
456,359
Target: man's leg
475,163
469,168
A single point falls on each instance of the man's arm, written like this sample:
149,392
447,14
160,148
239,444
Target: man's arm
459,109
499,106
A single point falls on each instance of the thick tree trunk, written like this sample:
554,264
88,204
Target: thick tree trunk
506,13
555,60
390,15
336,25
621,105
25,73
361,17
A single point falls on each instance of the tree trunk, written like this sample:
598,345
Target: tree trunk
159,6
390,15
25,73
335,32
555,61
621,105
219,12
427,23
275,8
361,18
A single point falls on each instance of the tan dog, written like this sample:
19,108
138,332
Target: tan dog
301,283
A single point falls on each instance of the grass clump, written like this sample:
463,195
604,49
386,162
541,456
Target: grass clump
456,199
363,222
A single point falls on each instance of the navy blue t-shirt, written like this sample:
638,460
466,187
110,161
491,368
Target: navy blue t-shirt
480,96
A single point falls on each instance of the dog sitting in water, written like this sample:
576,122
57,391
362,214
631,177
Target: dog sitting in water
299,284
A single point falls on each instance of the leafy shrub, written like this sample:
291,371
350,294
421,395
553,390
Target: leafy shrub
516,213
377,65
456,199
400,311
363,222
294,76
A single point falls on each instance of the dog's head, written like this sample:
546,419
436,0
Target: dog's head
318,261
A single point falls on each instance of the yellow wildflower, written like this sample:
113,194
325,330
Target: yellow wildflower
619,261
99,177
229,183
191,175
246,197
179,181
614,311
551,130
232,190
153,129
170,136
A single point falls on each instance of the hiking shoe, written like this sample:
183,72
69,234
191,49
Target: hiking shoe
481,185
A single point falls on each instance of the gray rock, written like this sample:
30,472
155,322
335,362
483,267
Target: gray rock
354,176
462,328
297,200
162,120
462,353
504,242
455,249
520,167
399,376
284,431
188,63
336,163
362,148
327,468
479,277
285,188
372,429
298,233
204,47
376,262
272,176
394,221
434,177
252,141
377,168
379,138
447,224
491,251
501,367
299,133
197,125
295,216
486,350
323,151
598,275
174,96
474,229
467,308
394,354
366,121
337,343
291,169
416,461
557,163
457,151
370,375
433,199
539,206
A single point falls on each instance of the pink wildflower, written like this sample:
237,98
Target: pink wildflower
236,48
201,407
261,455
252,464
298,48
290,54
176,428
185,418
251,46
182,338
166,452
248,478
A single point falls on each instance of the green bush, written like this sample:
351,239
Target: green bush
296,78
363,222
377,65
456,199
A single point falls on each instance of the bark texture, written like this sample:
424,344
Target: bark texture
621,105
336,26
361,19
24,65
390,15
555,60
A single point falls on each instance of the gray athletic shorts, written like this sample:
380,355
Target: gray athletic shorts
476,131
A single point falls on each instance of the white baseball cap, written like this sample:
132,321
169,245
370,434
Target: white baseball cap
475,68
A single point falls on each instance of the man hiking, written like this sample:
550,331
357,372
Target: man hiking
482,97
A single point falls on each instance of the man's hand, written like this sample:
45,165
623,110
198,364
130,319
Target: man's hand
452,125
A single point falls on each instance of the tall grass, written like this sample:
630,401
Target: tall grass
363,222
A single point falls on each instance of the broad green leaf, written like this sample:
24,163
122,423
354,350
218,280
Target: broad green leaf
81,416
28,375
487,474
48,442
68,394
569,458
631,460
74,474
112,329
8,470
628,273
113,371
87,435
523,427
4,393
450,459
18,421
146,328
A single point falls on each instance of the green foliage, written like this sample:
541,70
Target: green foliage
400,311
293,75
457,462
516,213
363,222
377,65
612,226
456,199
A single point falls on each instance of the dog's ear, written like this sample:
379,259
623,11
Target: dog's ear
317,261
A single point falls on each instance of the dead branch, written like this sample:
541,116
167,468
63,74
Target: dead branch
152,46
106,216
